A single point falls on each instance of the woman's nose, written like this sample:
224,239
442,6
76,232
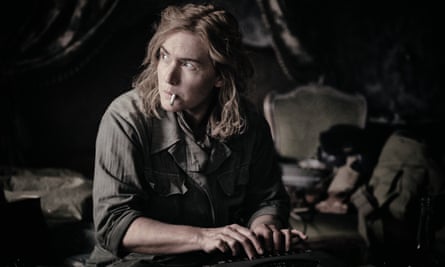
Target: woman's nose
172,74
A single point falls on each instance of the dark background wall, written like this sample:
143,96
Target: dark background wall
57,78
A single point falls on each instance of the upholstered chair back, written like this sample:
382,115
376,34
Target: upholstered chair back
298,117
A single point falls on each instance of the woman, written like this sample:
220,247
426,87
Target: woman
184,164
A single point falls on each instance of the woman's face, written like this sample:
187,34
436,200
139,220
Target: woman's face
185,70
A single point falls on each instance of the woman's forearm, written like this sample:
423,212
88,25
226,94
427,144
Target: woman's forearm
149,236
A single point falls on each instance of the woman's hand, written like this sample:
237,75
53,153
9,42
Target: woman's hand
234,239
267,230
149,236
275,239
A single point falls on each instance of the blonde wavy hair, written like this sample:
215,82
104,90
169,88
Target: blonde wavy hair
219,29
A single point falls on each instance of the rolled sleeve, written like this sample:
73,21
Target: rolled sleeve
118,196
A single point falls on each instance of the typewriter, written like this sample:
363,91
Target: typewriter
298,258
289,259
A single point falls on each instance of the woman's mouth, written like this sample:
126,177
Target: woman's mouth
172,99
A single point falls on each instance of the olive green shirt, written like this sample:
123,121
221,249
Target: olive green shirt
155,168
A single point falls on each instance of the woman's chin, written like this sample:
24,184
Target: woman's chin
168,107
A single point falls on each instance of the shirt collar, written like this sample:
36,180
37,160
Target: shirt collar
165,132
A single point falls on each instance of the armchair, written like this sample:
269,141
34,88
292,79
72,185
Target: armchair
296,119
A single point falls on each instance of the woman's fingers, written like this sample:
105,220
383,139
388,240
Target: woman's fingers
237,239
299,234
245,238
292,237
275,239
278,238
223,246
270,236
249,238
287,239
232,243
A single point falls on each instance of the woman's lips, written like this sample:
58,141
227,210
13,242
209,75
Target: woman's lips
172,99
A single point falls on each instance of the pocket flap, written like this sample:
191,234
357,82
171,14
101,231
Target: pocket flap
166,184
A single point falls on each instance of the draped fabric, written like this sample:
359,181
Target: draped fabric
51,40
49,35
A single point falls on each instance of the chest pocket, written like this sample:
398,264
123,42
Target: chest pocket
166,184
163,175
167,192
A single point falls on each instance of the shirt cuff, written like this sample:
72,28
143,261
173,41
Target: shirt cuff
114,240
270,210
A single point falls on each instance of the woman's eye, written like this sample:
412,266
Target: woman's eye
189,65
163,56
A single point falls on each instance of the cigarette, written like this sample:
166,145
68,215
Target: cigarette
172,99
